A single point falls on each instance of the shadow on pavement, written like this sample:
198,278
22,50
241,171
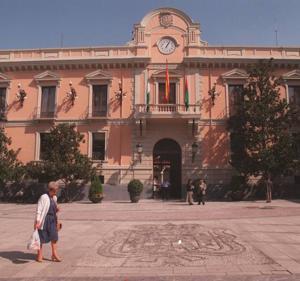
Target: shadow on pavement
294,200
18,257
121,202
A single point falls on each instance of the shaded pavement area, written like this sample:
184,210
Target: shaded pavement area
155,240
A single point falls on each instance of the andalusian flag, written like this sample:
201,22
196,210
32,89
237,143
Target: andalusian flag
186,95
148,96
167,89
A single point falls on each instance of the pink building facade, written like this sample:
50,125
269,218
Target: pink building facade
116,97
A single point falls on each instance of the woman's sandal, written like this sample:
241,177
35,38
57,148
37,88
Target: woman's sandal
39,260
56,259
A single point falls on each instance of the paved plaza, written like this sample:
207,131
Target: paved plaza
155,240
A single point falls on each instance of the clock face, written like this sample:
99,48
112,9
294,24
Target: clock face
166,46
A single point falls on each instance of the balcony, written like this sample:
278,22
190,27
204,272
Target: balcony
45,115
3,114
167,111
97,114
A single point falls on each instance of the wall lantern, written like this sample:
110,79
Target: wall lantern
21,95
139,149
213,94
194,150
72,95
120,94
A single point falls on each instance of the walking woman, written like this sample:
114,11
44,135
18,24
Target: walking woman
189,190
46,221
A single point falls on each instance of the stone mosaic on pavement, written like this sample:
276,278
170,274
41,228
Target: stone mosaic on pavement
219,241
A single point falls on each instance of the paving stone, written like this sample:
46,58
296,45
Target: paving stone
151,240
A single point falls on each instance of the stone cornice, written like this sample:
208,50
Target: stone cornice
97,63
33,122
241,62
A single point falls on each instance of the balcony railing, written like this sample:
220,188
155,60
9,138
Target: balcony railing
45,115
3,113
167,109
95,114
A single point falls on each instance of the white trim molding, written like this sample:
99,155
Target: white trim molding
235,76
47,76
38,144
46,79
4,80
5,83
291,78
98,76
90,144
292,75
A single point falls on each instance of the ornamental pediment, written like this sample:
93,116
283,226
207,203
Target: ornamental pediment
47,76
4,78
162,74
235,74
292,75
98,75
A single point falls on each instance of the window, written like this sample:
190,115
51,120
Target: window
98,146
162,93
2,102
43,148
294,96
99,100
48,102
235,97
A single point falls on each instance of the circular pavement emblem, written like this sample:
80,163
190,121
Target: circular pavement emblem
171,244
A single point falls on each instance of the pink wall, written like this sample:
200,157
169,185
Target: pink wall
129,63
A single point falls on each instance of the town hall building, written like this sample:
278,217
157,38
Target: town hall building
156,106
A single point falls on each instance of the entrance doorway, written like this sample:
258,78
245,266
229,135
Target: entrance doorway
167,165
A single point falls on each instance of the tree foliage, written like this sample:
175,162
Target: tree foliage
11,169
61,157
261,138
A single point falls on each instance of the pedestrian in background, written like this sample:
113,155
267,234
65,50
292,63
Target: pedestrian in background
155,187
165,186
189,192
202,192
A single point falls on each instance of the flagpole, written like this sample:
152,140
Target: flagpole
167,84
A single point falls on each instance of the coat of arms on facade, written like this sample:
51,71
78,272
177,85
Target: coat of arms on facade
165,19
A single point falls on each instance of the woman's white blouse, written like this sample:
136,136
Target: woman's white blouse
43,208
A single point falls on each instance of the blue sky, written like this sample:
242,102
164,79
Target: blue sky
43,23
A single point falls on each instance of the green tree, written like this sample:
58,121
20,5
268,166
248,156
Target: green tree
11,169
261,140
62,158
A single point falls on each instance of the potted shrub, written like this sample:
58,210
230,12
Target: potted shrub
96,190
135,188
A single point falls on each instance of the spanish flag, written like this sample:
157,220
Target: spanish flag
167,89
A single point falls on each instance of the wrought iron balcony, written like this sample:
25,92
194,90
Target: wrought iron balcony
97,114
3,113
45,115
167,111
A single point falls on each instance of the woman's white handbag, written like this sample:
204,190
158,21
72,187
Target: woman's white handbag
34,242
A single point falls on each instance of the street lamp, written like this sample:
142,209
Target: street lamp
120,94
213,94
21,95
139,148
72,95
194,150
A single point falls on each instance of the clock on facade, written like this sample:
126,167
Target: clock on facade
166,45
